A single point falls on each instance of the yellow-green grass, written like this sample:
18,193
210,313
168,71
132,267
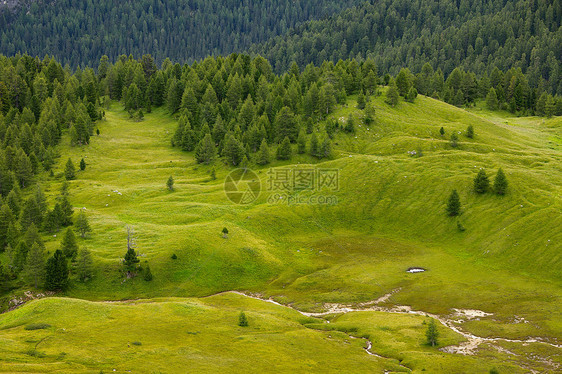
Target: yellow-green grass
170,335
390,216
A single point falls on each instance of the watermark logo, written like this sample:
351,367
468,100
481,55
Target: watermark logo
242,186
291,186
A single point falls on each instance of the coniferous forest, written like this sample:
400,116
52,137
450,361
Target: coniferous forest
126,128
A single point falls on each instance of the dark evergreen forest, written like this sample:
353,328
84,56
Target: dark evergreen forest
79,32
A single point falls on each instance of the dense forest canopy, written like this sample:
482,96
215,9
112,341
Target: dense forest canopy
80,32
476,35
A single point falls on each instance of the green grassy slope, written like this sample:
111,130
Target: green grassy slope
390,216
201,335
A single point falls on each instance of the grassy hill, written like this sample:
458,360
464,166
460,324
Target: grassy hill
390,216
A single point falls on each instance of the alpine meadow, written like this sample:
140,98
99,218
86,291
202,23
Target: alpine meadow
281,186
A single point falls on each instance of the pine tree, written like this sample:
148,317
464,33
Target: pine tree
481,182
84,265
233,150
67,210
82,164
492,99
56,277
263,157
82,225
206,151
411,95
284,151
432,333
500,183
69,171
242,320
314,146
326,148
34,269
392,94
470,132
130,260
442,131
361,101
170,183
301,142
403,82
454,204
69,246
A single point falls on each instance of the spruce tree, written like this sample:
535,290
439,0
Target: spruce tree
67,210
263,156
69,171
500,183
82,164
432,333
442,131
131,260
206,151
170,183
454,204
284,151
242,320
69,245
34,269
492,99
326,148
84,265
233,150
301,142
392,94
470,132
56,277
314,146
82,225
481,182
361,102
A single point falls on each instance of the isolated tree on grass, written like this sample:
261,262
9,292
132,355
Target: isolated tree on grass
470,132
56,277
225,232
442,131
432,333
69,245
170,183
69,170
82,225
454,204
34,270
84,265
130,260
481,182
500,183
82,164
242,320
